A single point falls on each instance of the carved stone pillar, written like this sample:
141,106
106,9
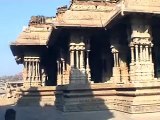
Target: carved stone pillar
116,68
81,59
63,65
77,58
132,53
147,53
72,55
150,53
58,67
31,75
88,70
144,53
137,56
59,74
44,76
124,75
82,48
132,64
141,39
72,61
78,71
141,53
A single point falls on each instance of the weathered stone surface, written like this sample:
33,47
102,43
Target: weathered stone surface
149,6
98,55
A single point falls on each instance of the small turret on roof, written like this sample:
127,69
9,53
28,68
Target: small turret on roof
38,20
112,1
37,32
62,9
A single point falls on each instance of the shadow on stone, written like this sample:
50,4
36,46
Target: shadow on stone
72,102
83,101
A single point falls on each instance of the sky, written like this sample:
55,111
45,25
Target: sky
14,14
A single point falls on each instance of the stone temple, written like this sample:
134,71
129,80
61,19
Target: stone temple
94,55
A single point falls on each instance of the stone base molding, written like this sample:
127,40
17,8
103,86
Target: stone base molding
130,98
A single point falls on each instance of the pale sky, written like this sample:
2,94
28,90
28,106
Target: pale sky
14,14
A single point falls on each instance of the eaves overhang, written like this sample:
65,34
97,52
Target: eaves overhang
141,6
89,16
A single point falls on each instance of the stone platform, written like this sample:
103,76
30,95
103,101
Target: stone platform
86,101
130,98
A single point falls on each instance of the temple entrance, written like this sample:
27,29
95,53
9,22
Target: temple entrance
101,58
48,62
56,61
156,47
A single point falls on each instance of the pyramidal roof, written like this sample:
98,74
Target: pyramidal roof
83,13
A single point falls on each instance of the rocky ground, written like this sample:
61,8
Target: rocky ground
2,87
5,79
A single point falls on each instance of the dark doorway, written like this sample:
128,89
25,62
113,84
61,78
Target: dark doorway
101,59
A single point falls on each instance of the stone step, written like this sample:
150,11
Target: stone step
36,101
37,96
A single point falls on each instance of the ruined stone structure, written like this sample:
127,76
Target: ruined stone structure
94,55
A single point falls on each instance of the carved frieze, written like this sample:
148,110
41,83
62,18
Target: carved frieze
92,7
83,7
111,1
143,2
81,16
33,37
37,29
151,6
85,17
142,41
140,31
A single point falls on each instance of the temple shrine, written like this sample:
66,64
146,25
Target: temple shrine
93,55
